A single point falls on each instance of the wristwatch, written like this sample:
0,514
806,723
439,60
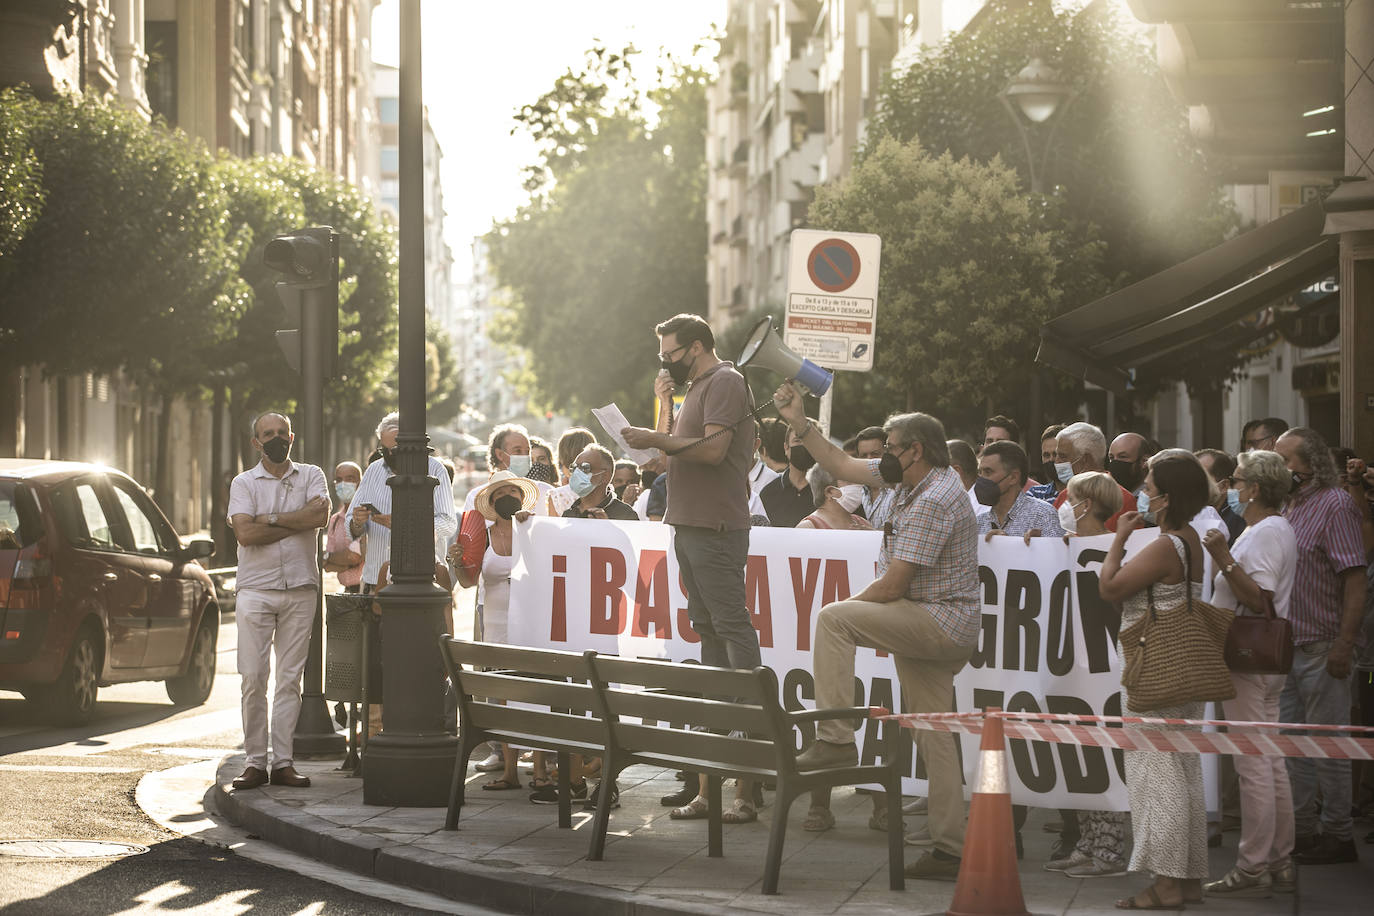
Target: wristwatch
1226,570
272,519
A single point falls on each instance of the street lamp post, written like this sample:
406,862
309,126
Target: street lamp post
1035,95
410,762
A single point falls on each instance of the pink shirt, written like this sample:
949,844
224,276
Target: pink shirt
1326,523
336,538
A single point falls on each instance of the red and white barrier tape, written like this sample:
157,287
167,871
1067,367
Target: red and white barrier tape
1250,739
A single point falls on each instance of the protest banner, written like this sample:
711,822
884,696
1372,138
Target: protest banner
1046,643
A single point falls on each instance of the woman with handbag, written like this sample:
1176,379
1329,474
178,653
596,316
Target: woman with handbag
1168,812
1255,578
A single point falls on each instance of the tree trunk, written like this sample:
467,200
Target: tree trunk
162,475
219,489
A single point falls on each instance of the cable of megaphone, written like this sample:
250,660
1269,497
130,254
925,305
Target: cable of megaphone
765,348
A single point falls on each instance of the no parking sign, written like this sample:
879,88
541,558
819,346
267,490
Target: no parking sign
832,297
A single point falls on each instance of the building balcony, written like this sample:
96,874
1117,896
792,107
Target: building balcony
738,238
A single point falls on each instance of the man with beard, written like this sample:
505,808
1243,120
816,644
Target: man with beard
1127,461
788,499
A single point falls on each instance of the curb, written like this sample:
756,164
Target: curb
468,882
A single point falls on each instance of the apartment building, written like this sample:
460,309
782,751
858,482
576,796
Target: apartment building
797,82
290,77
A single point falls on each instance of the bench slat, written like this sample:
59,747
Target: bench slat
556,725
680,678
726,751
538,690
518,658
680,710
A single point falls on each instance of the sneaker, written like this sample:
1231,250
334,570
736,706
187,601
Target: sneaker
1073,859
1305,841
919,838
548,795
1241,883
934,865
1329,851
919,806
823,755
1284,878
493,763
1093,869
681,797
594,796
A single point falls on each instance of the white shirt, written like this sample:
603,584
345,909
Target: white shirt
373,490
760,476
1206,520
1268,552
290,562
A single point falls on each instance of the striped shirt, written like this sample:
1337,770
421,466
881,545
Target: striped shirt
932,527
373,490
1326,523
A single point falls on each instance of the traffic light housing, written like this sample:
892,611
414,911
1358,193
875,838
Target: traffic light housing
309,295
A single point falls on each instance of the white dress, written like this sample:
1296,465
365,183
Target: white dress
1168,810
494,596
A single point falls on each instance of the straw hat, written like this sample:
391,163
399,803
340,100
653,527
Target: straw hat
529,493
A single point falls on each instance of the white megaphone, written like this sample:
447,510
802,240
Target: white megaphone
765,348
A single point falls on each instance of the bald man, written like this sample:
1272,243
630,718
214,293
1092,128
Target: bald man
1126,460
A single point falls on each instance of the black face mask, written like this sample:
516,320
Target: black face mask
1047,472
1125,473
276,449
1299,480
506,506
986,491
890,468
679,370
541,472
801,458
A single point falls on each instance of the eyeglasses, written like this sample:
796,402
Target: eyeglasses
665,356
585,467
1258,443
891,449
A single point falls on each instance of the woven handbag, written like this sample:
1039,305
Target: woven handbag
1175,655
1260,644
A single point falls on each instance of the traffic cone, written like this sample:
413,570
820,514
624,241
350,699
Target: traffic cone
988,880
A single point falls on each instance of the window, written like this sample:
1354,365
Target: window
144,533
81,517
391,159
390,109
20,521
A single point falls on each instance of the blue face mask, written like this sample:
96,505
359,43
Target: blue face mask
1142,503
581,483
345,490
1063,470
1235,503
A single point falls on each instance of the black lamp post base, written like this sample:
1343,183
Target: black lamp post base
409,771
315,735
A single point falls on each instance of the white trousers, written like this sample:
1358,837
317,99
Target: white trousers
267,620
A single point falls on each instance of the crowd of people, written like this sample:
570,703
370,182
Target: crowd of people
1285,521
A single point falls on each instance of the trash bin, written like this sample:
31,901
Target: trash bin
345,639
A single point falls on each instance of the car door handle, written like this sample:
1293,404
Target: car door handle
111,577
154,577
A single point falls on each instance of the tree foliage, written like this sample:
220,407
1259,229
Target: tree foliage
1122,162
968,277
21,188
614,237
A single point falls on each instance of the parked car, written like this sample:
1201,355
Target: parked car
96,588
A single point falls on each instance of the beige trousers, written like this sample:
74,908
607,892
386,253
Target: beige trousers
927,661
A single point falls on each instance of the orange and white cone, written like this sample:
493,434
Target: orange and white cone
988,880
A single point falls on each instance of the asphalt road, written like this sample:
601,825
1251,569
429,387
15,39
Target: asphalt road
58,783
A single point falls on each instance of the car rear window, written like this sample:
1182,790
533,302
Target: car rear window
81,517
21,523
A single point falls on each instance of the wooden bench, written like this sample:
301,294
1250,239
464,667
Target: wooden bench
555,683
638,712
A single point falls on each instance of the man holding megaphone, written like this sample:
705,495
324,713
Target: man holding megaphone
710,448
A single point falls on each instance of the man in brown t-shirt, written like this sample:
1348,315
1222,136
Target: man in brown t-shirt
708,497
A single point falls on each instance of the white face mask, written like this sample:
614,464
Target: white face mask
1063,470
1068,520
519,465
851,496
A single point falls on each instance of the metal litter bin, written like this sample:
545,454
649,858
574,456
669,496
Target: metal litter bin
345,644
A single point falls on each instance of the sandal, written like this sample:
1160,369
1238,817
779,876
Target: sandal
1155,901
742,813
694,810
501,785
818,819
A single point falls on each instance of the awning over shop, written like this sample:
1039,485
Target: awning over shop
1189,302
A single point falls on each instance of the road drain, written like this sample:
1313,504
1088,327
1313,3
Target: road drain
69,849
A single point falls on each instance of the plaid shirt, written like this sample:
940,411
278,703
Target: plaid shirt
932,527
1327,525
1026,514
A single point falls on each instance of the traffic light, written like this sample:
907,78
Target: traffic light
309,296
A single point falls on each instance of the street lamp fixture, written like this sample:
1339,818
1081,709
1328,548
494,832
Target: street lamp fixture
1035,95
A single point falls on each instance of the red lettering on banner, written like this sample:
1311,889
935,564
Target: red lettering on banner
607,605
684,622
758,599
836,586
804,592
558,616
653,607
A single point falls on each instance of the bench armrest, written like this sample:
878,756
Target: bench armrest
843,712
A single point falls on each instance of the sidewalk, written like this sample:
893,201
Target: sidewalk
510,855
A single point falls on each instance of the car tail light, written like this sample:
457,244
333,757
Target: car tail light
32,585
